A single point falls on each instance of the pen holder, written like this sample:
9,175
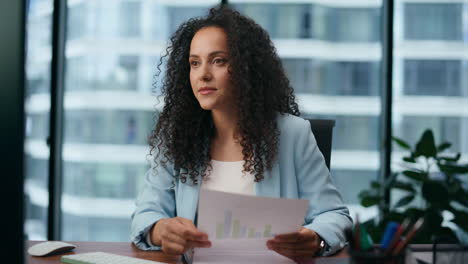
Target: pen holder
376,256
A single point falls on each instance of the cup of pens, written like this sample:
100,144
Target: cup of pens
392,248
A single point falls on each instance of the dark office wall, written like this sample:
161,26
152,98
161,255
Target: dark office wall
12,24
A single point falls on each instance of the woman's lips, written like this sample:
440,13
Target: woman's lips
206,90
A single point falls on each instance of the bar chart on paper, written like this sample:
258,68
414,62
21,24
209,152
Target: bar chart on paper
231,217
233,228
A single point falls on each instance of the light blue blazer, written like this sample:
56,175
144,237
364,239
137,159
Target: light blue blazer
300,172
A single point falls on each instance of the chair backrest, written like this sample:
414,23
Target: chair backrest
323,132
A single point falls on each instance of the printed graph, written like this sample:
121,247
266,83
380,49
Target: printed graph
233,228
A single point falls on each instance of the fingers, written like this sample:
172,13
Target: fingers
198,244
303,243
179,234
174,238
189,231
172,248
301,235
289,237
299,245
293,253
176,245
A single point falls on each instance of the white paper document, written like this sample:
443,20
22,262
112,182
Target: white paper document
238,226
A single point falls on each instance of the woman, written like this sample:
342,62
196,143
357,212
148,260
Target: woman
230,123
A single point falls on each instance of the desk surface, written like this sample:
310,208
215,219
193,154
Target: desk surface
120,248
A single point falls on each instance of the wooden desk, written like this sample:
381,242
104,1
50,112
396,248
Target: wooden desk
120,248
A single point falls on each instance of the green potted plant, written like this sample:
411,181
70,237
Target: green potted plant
431,184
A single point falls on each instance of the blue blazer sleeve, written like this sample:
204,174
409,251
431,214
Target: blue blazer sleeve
155,201
327,215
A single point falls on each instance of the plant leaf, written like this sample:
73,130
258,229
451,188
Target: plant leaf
409,159
375,184
443,146
435,193
426,145
401,143
414,213
417,176
368,199
363,194
461,197
392,216
450,159
453,169
403,186
433,218
404,201
369,193
447,236
461,219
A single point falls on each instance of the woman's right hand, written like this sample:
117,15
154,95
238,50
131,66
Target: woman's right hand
176,235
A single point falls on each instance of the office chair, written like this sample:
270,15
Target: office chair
323,131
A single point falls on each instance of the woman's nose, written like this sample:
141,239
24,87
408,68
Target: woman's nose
206,73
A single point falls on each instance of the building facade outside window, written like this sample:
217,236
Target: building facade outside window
331,51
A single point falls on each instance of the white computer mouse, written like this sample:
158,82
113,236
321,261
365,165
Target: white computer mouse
49,247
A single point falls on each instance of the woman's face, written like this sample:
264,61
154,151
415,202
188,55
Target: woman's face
209,64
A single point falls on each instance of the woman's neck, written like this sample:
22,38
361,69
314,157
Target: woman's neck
225,145
225,123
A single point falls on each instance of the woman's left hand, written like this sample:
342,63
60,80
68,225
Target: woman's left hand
297,245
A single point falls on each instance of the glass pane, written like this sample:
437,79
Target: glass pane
112,51
38,59
331,52
430,87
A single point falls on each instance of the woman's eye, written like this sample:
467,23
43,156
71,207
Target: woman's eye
194,63
219,61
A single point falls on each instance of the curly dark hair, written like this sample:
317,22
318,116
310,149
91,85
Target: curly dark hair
184,130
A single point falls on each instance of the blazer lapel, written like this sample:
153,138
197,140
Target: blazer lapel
188,202
270,185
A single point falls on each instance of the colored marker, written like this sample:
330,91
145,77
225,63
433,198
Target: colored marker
390,231
402,244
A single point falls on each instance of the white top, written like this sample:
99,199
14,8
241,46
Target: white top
227,176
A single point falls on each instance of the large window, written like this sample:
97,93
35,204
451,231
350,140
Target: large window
318,76
430,74
108,126
351,23
330,50
39,50
129,15
109,109
433,77
433,21
103,72
335,75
